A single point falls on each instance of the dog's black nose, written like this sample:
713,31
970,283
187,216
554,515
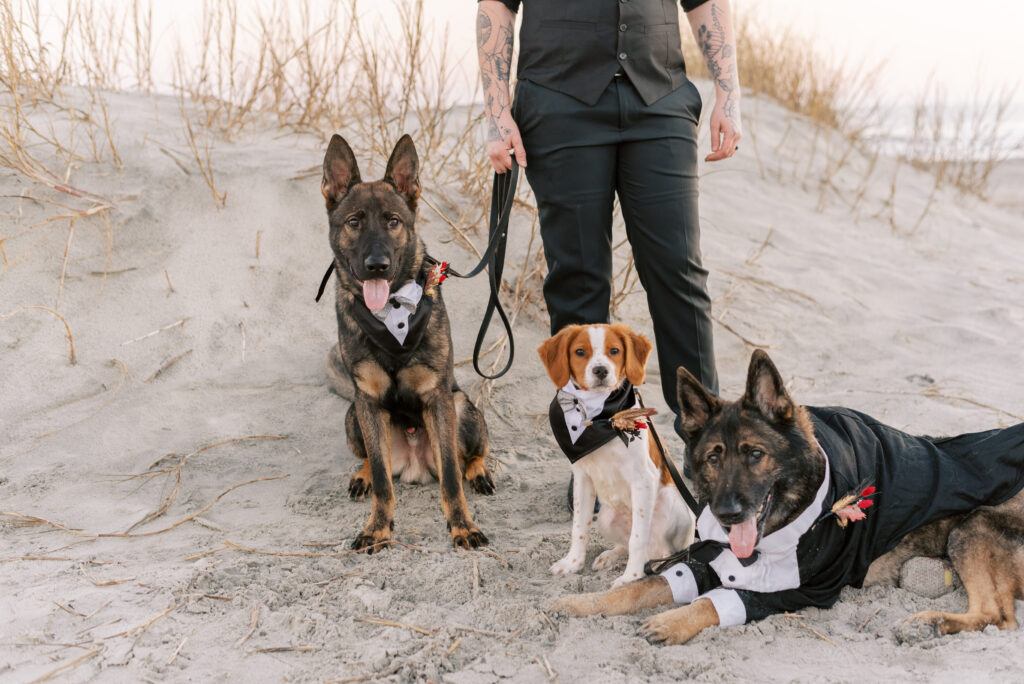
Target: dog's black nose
728,509
377,263
601,372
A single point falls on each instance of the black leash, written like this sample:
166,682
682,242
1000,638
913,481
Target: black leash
503,196
676,478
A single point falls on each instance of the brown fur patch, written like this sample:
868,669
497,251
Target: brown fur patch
371,379
423,380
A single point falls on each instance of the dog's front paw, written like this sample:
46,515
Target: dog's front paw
359,487
578,606
468,537
372,541
567,565
918,627
626,578
664,628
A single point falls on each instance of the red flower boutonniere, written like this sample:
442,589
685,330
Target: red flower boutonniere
852,507
437,275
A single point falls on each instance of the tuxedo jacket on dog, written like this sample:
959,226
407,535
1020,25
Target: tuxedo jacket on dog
808,562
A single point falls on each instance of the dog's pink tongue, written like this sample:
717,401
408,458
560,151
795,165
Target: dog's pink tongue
742,537
375,293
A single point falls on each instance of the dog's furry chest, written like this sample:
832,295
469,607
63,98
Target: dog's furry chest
615,467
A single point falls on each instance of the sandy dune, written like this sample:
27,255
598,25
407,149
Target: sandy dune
920,327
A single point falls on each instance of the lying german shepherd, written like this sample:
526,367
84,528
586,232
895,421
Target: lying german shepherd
408,417
801,501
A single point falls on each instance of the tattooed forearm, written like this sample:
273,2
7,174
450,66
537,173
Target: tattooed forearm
495,37
712,28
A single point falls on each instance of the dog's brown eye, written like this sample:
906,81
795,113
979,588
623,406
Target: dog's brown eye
393,222
613,351
756,454
580,352
353,222
713,458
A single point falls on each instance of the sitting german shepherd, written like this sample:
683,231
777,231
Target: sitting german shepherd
408,417
801,501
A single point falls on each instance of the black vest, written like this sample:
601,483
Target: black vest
577,46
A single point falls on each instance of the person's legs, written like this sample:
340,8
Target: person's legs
657,185
571,168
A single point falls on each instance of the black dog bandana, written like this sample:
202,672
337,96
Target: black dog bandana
600,430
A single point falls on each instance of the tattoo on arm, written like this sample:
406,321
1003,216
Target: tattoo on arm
494,39
721,59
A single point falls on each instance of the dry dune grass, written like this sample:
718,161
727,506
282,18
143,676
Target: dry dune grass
322,68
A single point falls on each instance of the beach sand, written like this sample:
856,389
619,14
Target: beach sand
825,263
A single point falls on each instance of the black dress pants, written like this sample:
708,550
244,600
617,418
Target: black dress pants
579,156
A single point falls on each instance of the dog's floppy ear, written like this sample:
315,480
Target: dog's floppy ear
765,389
696,404
554,354
637,351
404,169
340,171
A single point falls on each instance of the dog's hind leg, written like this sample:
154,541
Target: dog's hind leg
473,444
928,541
360,485
649,592
987,551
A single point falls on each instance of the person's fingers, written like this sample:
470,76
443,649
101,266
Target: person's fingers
728,142
716,134
518,149
498,153
716,156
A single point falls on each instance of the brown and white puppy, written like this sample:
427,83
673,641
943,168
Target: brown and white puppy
642,513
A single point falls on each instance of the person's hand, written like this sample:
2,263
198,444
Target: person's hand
504,137
726,129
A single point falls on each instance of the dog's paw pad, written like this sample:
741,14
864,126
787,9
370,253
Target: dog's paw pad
915,629
482,484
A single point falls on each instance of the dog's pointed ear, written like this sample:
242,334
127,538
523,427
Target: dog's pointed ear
340,171
404,169
554,354
765,390
696,404
637,351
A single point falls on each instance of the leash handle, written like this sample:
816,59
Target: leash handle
676,477
503,196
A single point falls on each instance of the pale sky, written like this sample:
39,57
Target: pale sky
957,40
961,41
